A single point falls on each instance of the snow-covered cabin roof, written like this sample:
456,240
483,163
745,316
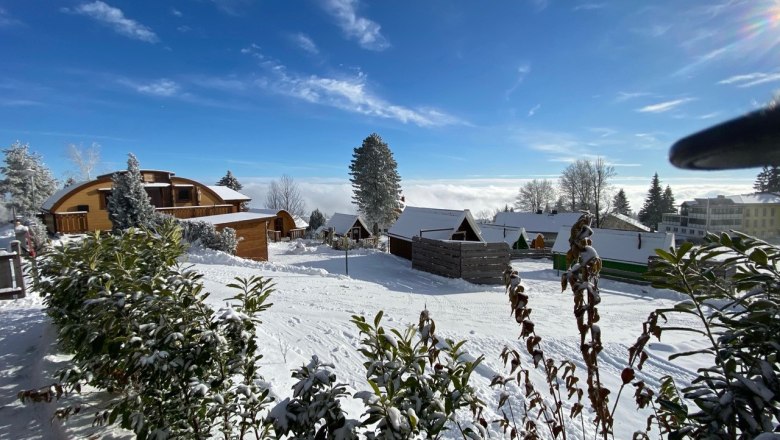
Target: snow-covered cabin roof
342,223
437,224
755,198
59,194
630,220
615,245
533,223
299,222
228,194
506,234
264,211
234,217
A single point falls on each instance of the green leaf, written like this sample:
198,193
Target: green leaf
759,257
378,318
666,256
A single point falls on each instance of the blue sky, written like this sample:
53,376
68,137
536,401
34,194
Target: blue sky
472,97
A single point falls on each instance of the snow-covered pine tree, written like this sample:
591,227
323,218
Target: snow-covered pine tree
230,181
375,181
620,203
650,214
129,204
26,178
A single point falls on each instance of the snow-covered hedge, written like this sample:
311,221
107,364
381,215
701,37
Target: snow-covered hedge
206,235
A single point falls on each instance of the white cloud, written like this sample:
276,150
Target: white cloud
589,6
625,96
482,194
306,43
522,71
366,31
534,109
6,20
115,19
162,87
176,12
751,79
665,106
705,59
349,93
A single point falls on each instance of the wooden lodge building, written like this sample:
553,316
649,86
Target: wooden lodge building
284,225
348,225
83,207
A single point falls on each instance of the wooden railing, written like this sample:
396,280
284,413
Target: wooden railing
196,211
274,236
74,222
296,233
11,275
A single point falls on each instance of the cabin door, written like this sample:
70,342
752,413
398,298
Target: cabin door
155,194
278,224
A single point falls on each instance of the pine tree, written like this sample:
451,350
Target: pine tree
129,204
230,181
768,180
316,219
650,214
667,201
620,203
375,181
26,178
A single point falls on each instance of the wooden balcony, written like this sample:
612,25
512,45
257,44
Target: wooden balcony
196,211
296,233
71,222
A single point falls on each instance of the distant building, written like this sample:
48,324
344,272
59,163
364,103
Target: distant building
547,224
754,214
615,220
437,224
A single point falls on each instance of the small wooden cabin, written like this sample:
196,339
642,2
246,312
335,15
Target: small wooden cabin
250,229
437,224
543,223
284,225
348,225
622,222
82,207
624,254
515,237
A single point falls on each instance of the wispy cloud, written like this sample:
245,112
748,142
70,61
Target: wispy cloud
540,4
522,71
306,43
6,20
665,106
534,109
709,116
654,31
161,87
589,7
115,19
367,32
625,96
19,103
348,93
603,131
751,79
705,59
176,13
231,7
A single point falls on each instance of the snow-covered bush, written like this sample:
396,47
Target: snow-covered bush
314,411
415,391
137,326
38,233
738,396
205,234
129,205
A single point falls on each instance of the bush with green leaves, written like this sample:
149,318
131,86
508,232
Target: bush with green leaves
206,235
137,326
733,287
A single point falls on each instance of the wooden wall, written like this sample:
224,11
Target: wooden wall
401,248
253,240
476,262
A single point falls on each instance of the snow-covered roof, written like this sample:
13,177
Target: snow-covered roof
617,245
545,223
59,194
630,220
755,198
300,223
228,194
437,224
264,211
507,234
342,223
234,217
156,184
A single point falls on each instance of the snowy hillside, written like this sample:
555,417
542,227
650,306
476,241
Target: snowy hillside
310,315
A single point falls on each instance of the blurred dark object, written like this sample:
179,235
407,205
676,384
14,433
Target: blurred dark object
749,141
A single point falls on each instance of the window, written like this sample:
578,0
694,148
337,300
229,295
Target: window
668,229
675,229
701,232
764,211
747,212
82,208
104,195
763,223
184,195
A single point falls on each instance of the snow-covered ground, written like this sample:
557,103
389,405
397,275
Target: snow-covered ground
312,306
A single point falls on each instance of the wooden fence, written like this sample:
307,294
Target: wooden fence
531,253
476,262
196,211
11,274
74,222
